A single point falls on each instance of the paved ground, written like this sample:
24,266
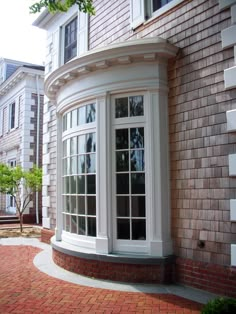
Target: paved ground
25,287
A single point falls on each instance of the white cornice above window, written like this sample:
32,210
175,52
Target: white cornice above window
129,52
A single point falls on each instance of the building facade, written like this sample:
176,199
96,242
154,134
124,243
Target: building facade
139,141
21,116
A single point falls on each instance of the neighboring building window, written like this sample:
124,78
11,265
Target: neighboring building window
12,115
70,49
79,171
157,4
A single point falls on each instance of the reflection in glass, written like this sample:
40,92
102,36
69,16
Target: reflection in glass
73,204
64,165
82,115
81,225
122,139
91,113
122,161
90,143
81,205
136,138
91,163
136,106
138,183
81,164
122,206
67,223
67,185
64,148
138,229
64,122
74,118
91,226
73,184
81,144
123,229
91,184
122,184
121,107
138,206
91,205
73,145
73,165
67,203
68,147
80,184
67,165
73,224
137,160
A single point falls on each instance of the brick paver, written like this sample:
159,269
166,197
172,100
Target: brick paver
24,289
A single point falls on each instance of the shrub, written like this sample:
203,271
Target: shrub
220,306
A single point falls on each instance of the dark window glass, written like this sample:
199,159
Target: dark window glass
138,183
91,184
91,205
91,163
123,229
81,164
138,229
122,161
137,138
122,184
67,222
122,139
138,206
157,4
136,106
90,113
90,142
73,184
73,204
121,107
81,205
91,227
70,40
122,205
80,184
12,118
137,160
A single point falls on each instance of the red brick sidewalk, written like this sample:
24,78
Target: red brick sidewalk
24,289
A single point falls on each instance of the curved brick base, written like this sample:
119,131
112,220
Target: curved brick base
142,273
46,235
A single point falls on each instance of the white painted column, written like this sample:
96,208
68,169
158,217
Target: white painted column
102,185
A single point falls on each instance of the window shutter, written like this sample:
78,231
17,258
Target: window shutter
82,33
1,122
136,13
8,118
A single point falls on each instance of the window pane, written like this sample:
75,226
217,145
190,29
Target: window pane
90,143
138,229
81,144
67,161
68,147
91,205
73,145
73,204
67,223
74,118
137,138
73,224
82,115
122,184
138,183
81,225
122,161
122,206
91,227
122,139
91,184
136,106
73,165
73,184
138,206
123,229
66,204
81,205
91,113
91,163
121,108
81,164
68,115
80,184
137,160
64,123
67,185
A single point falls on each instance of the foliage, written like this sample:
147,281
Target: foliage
21,185
220,306
54,6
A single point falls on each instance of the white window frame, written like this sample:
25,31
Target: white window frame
10,198
10,126
134,246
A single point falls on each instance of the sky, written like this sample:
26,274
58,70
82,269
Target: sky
19,40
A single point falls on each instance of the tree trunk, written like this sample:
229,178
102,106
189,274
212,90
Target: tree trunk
21,221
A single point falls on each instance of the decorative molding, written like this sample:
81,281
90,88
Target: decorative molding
231,120
224,4
232,165
230,78
233,210
233,254
228,36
